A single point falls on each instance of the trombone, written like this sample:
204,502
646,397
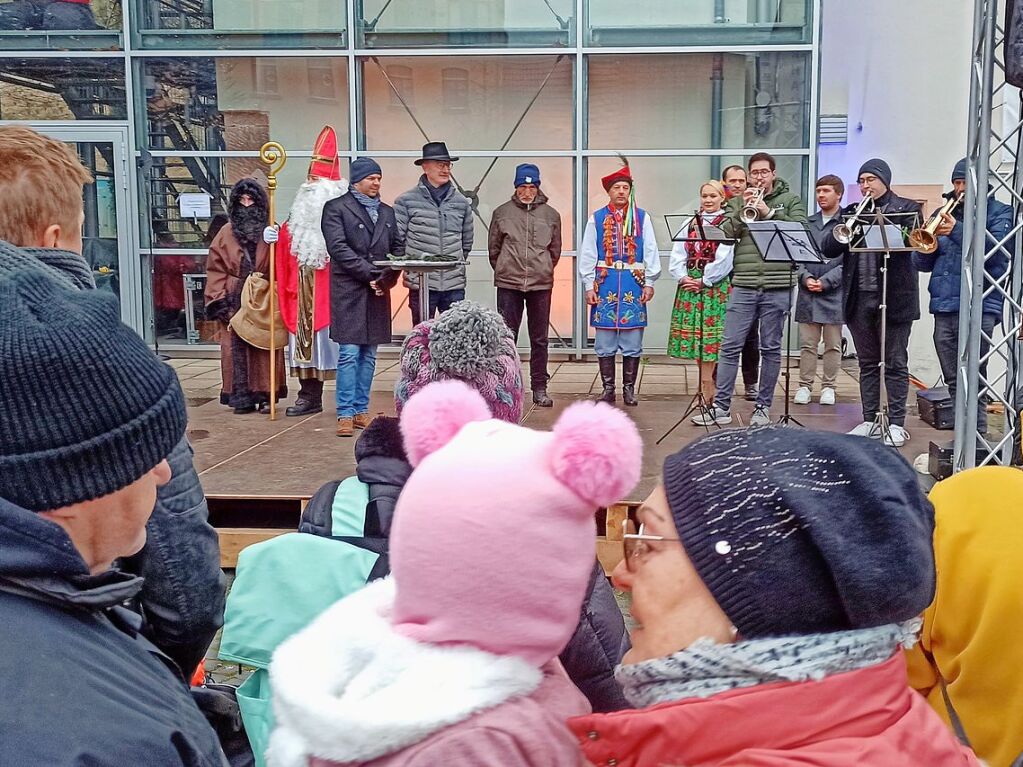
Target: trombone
749,212
924,239
846,231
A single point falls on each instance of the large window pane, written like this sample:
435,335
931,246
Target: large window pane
62,89
698,22
167,178
670,186
42,24
471,23
511,102
240,23
699,101
490,186
217,104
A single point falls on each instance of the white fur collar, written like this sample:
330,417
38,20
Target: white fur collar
307,243
348,688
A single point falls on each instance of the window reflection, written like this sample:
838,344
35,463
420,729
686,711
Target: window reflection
509,102
62,89
471,23
207,104
700,100
698,22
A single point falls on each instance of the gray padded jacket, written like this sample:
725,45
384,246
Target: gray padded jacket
432,230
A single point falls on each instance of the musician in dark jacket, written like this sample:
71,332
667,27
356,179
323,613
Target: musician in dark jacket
862,285
359,230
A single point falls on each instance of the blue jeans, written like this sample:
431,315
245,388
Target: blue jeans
440,302
746,306
356,364
608,342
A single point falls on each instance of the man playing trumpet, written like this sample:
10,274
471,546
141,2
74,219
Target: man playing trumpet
945,263
761,291
863,281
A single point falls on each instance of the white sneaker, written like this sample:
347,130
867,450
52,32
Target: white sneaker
866,429
897,436
827,396
802,396
713,416
761,416
922,463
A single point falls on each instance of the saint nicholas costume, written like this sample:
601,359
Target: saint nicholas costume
303,278
617,260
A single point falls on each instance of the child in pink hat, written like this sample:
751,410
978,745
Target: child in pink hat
453,659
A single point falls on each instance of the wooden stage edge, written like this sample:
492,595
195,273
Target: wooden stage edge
259,474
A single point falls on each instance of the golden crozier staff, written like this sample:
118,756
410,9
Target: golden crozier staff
275,157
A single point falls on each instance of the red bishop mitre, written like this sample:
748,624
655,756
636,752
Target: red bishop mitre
622,174
325,162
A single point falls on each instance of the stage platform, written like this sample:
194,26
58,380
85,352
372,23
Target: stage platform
257,473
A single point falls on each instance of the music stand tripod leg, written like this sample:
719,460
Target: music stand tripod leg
787,417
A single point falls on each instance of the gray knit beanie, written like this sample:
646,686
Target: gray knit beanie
87,408
471,343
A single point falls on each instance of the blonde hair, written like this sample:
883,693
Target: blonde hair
716,185
41,182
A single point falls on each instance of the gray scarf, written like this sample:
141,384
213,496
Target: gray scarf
706,668
371,204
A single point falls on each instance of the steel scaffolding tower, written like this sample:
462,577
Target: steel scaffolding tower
994,145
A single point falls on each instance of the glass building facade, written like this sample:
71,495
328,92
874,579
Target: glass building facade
168,97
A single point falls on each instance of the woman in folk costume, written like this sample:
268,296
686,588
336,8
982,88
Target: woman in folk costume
702,271
303,277
236,252
618,263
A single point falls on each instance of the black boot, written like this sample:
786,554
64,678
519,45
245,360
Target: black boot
607,379
540,398
630,370
309,399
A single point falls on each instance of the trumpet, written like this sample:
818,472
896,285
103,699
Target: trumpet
924,239
749,212
846,231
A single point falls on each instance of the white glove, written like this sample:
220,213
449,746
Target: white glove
270,234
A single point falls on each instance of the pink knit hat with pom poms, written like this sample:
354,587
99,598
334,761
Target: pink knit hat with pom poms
494,535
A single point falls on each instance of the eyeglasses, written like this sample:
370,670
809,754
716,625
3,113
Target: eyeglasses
637,544
761,172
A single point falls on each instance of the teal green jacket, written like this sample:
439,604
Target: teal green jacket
750,270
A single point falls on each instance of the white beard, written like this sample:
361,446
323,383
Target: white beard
307,243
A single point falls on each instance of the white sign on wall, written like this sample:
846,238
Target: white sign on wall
194,205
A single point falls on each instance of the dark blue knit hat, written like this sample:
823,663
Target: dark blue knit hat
799,532
362,167
85,407
959,171
877,167
527,173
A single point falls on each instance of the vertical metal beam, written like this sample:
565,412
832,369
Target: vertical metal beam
975,233
579,314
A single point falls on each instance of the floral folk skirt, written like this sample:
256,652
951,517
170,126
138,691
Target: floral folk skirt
698,321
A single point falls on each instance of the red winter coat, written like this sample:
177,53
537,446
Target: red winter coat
287,286
865,717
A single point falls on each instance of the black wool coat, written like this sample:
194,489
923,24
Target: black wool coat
357,315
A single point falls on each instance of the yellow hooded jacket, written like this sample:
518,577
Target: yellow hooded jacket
970,636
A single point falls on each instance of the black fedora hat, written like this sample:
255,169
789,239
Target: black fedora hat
436,150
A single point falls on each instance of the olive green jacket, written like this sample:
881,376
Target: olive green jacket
750,270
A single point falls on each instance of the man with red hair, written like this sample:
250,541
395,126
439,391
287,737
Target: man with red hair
618,264
303,277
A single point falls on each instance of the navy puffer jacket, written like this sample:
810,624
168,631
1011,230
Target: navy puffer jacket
946,263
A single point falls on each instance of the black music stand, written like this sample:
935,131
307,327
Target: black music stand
704,233
786,241
883,233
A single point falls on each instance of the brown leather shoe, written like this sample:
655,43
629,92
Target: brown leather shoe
362,420
344,427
